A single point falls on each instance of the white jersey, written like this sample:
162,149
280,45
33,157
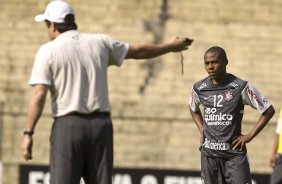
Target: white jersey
74,65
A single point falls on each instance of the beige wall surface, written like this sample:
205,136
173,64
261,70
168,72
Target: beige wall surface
152,126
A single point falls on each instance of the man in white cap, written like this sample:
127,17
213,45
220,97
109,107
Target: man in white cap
73,67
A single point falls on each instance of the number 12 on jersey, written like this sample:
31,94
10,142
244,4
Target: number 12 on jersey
217,99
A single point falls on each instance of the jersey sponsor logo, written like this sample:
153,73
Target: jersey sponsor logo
217,123
192,100
236,86
221,146
203,85
211,118
255,97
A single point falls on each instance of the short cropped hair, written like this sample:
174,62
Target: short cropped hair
219,50
67,25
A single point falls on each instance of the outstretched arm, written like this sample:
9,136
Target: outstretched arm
35,109
240,141
146,51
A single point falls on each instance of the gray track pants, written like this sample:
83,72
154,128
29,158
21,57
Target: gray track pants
81,147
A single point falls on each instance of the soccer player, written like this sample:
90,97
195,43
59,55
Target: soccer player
276,157
223,97
73,67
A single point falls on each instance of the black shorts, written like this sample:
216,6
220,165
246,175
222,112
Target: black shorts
81,147
235,170
276,177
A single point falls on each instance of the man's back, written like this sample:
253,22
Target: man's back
78,65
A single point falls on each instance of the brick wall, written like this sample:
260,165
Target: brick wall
149,98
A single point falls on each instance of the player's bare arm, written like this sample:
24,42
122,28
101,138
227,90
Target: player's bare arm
146,51
273,156
198,119
36,106
240,141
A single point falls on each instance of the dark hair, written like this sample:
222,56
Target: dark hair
219,50
68,24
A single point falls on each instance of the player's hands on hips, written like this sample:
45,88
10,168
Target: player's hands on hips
180,43
239,142
27,147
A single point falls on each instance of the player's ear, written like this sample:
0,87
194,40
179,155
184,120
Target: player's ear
226,62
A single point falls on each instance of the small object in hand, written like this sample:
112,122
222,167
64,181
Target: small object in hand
187,40
181,59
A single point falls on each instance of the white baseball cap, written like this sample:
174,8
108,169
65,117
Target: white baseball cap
55,11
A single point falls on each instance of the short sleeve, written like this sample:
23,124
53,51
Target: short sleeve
255,99
194,101
118,50
41,71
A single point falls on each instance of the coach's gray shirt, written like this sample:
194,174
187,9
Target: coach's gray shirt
223,112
